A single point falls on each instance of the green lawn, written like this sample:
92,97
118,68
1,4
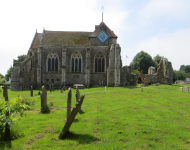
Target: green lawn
118,118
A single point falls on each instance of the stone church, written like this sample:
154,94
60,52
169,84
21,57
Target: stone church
70,57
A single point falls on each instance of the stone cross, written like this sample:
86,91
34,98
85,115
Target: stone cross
181,89
69,99
71,118
7,127
186,89
44,107
78,97
50,87
31,91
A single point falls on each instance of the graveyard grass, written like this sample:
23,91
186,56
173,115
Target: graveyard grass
116,118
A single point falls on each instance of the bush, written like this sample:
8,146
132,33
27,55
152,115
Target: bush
13,106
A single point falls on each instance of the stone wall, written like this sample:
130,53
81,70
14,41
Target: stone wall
148,79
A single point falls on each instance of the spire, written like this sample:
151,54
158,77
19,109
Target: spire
102,12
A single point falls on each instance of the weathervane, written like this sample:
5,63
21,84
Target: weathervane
102,12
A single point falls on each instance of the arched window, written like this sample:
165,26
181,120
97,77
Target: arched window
99,62
76,62
52,62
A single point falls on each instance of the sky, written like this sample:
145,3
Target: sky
155,26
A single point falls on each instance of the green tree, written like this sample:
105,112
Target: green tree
184,68
179,75
9,72
135,72
20,58
142,61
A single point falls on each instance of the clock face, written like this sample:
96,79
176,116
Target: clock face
102,37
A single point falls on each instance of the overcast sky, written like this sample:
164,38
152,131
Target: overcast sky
155,26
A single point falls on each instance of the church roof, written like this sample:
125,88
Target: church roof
107,30
36,40
65,38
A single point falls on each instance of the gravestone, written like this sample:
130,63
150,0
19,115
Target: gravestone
69,98
52,87
31,91
105,87
44,107
61,90
78,97
39,93
181,89
71,118
186,89
102,84
7,127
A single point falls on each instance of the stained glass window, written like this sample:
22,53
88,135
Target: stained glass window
76,62
52,62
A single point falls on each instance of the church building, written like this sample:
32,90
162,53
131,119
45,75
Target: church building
70,57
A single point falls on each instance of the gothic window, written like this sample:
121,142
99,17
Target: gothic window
52,62
99,62
76,61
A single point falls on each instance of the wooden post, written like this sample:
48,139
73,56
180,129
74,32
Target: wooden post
7,127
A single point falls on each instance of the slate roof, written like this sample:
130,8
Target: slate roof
98,30
36,41
65,38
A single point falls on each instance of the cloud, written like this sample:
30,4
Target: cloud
174,46
178,9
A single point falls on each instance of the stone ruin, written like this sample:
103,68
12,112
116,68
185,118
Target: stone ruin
164,74
71,114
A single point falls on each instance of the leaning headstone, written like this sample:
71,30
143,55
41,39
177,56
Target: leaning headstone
78,97
69,98
44,107
31,91
71,118
7,127
186,89
52,87
181,89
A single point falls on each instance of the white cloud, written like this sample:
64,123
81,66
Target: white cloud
174,46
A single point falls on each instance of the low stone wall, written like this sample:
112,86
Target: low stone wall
149,78
132,79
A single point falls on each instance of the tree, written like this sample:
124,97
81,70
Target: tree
157,59
20,58
184,68
9,72
179,75
142,61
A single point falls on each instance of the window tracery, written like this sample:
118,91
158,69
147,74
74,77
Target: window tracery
76,62
52,62
99,62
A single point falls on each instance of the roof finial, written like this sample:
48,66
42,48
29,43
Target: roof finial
102,11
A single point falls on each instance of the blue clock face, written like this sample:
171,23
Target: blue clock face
102,37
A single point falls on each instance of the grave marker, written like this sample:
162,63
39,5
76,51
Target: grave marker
78,97
44,107
186,89
69,99
181,89
50,87
31,91
71,118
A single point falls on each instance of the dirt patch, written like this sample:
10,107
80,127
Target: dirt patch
49,130
30,141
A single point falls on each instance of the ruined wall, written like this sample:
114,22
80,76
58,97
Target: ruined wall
165,72
132,79
148,79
